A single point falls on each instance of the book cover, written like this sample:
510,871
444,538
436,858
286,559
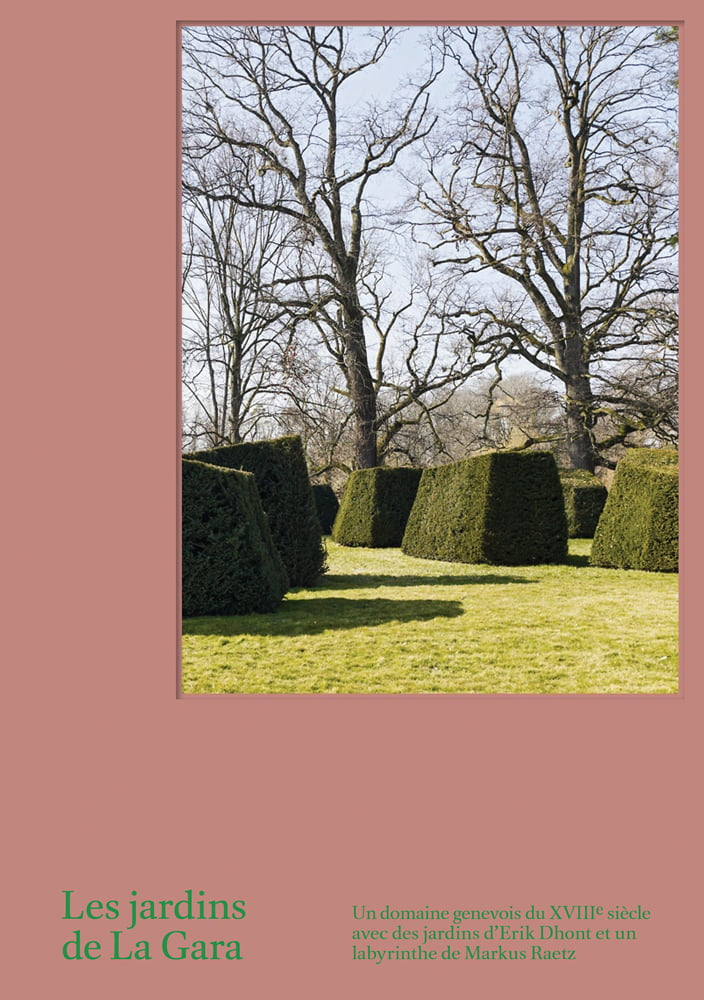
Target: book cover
321,845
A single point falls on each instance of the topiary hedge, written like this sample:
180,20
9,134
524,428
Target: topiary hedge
639,526
230,565
504,508
279,467
584,495
326,505
651,456
375,507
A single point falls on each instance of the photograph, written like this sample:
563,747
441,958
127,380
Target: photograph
429,346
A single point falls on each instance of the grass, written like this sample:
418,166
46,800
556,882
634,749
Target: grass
383,622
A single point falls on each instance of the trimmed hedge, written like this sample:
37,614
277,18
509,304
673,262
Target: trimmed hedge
584,495
326,505
652,456
230,565
504,508
279,467
639,527
375,507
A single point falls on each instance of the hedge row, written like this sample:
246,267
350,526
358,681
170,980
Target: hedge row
230,565
584,495
281,474
504,508
375,507
639,527
326,505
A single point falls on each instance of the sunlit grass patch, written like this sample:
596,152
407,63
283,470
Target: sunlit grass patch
384,622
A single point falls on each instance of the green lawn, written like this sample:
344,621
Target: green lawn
383,622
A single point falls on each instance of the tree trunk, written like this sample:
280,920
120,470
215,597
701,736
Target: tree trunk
578,387
235,394
578,406
361,389
360,383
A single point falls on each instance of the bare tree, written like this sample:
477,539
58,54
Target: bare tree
557,179
418,361
639,402
314,405
420,352
517,410
236,338
275,100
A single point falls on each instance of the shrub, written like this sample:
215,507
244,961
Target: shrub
639,527
584,495
326,505
375,507
230,565
504,508
651,456
279,467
